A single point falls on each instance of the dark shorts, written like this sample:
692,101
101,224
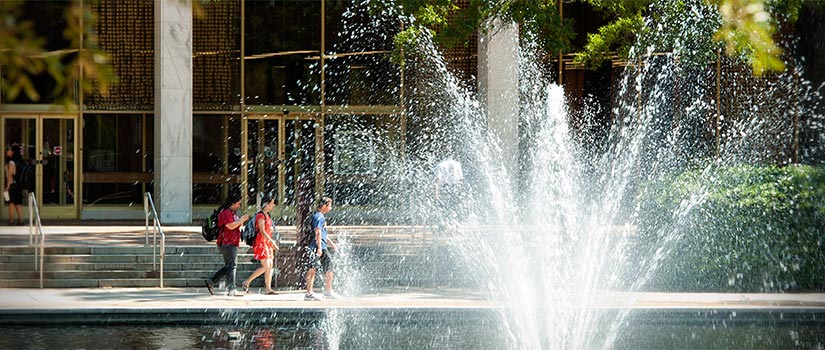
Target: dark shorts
15,194
322,264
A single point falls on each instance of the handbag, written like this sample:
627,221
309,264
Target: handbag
6,196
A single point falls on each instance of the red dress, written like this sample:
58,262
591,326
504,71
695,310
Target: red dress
263,247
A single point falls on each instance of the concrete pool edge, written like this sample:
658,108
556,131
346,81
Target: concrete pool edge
195,306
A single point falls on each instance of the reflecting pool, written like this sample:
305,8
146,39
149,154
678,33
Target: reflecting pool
366,333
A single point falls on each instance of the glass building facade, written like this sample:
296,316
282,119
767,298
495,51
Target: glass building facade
303,90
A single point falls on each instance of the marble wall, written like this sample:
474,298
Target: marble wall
498,76
173,111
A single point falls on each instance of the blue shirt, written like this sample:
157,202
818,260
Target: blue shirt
318,221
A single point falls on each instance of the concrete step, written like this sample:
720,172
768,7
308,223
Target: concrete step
120,258
102,283
147,266
187,266
116,274
87,250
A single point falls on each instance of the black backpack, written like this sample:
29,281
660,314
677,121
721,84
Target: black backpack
210,227
249,232
25,176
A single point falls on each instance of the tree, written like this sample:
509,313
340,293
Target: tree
744,27
22,55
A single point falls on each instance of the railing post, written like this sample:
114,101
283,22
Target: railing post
146,213
36,241
31,222
155,246
148,203
42,249
162,254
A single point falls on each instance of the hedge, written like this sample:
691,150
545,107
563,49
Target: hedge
751,229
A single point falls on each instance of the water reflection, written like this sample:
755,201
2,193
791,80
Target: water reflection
650,333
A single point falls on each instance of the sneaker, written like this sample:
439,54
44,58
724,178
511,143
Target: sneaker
234,293
209,287
311,297
330,295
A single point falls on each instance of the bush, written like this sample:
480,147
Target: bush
736,229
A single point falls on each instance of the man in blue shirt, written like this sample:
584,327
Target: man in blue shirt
317,252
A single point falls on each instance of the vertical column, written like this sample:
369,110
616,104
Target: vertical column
173,111
498,76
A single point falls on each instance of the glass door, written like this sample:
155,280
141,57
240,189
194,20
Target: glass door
300,151
57,157
48,144
264,170
282,160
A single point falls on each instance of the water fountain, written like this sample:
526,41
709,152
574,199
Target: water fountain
555,250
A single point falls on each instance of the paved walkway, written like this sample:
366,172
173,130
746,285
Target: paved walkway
171,298
152,305
192,305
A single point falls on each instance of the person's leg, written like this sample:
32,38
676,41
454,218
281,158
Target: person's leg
19,209
221,273
268,274
259,271
328,281
310,279
232,267
11,212
326,265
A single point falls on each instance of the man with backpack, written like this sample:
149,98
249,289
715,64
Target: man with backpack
317,252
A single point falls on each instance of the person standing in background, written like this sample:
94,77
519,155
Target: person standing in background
13,187
449,189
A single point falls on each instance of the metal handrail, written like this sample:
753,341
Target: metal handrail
34,218
147,204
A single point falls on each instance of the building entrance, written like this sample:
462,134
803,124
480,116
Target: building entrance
282,152
48,144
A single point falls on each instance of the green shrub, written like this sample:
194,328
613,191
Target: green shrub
751,229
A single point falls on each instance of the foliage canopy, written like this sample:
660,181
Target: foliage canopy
745,28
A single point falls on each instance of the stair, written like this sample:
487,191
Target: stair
94,267
374,266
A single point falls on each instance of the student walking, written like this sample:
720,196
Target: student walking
228,239
317,252
264,247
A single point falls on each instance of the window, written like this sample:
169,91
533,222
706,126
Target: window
117,166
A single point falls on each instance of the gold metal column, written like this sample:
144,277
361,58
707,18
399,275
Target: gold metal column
225,156
143,145
319,158
38,154
77,177
257,163
319,131
281,160
62,142
244,127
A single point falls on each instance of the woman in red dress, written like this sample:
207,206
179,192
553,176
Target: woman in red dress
264,247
